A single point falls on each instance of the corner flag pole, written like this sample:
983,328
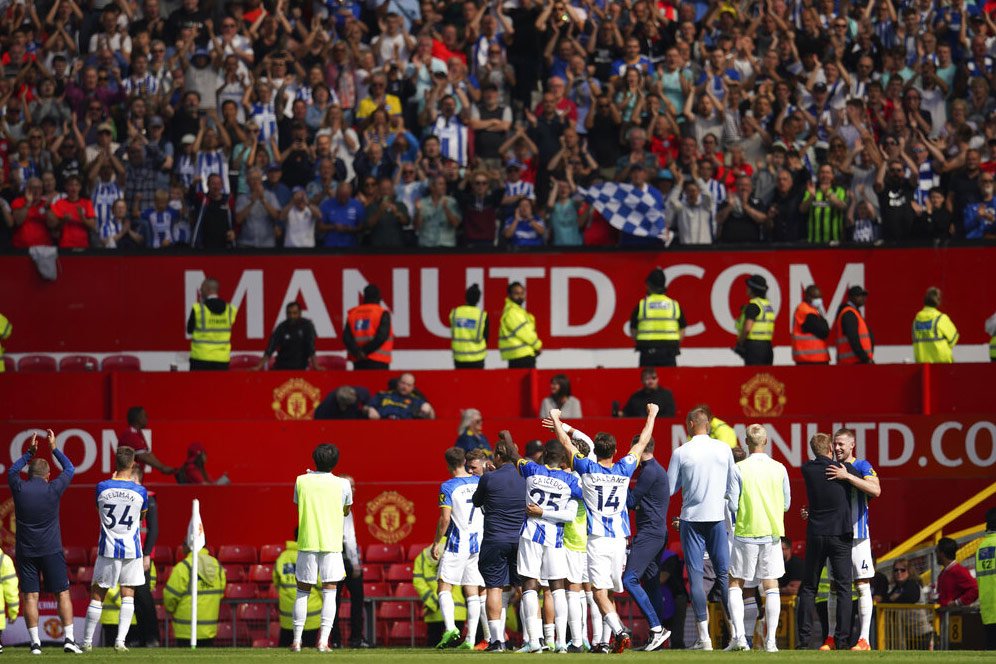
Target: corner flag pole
195,542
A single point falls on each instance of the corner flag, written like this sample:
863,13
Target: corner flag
195,542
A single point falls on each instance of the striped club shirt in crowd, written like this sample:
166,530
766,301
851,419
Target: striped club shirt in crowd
212,163
927,179
265,116
142,86
103,196
160,225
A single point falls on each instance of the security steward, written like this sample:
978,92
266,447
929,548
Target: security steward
469,331
934,335
855,343
210,326
517,339
293,341
810,330
112,609
368,335
756,325
991,331
211,583
10,599
424,577
985,570
658,324
285,581
5,329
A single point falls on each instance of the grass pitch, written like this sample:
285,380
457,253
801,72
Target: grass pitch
414,656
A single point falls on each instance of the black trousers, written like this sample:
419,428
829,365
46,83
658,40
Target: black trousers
469,365
201,643
837,550
370,364
309,638
658,357
204,365
146,631
758,353
523,363
990,631
356,607
676,623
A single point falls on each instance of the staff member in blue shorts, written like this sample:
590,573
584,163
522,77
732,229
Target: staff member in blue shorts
39,539
501,495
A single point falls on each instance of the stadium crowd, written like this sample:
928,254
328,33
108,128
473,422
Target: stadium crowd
244,123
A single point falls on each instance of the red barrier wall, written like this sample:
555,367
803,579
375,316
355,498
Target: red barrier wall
582,300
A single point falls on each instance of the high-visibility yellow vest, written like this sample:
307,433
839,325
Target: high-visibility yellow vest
9,598
320,518
210,591
761,508
517,336
934,335
657,319
212,337
764,325
5,329
992,348
424,571
467,333
721,431
112,600
285,581
985,572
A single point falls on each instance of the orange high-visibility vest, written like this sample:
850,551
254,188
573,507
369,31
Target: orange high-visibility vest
807,348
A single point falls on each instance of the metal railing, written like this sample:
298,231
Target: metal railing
785,636
907,626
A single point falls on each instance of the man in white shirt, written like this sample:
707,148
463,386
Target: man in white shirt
702,469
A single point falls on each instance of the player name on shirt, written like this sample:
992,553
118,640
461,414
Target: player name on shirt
605,491
466,521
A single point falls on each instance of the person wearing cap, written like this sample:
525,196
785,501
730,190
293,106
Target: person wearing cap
756,325
469,331
657,324
934,335
210,326
810,330
368,335
855,343
517,339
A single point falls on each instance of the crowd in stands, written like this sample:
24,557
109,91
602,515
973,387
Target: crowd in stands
285,123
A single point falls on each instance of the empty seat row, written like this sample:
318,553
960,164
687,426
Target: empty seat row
72,363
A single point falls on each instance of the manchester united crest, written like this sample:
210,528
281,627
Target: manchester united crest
390,517
762,396
296,400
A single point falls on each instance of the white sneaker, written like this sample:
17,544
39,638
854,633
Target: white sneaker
770,647
657,639
740,643
120,647
296,646
701,645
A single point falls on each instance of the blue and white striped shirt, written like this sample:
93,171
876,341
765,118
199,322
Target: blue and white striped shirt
120,505
555,491
466,521
605,491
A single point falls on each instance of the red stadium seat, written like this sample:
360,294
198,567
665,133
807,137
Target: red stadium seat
181,554
235,573
9,364
121,363
243,554
414,550
264,643
226,633
79,595
399,572
373,572
244,362
384,553
261,574
275,631
376,590
71,363
404,633
395,611
36,364
406,590
257,612
162,555
331,362
268,553
83,574
225,613
240,591
75,556
267,592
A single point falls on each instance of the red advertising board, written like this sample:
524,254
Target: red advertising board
581,300
927,465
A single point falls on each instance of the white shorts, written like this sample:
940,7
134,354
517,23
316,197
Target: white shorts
862,565
606,562
538,561
315,567
460,569
756,562
577,566
110,572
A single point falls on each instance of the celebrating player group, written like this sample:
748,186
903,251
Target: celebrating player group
557,526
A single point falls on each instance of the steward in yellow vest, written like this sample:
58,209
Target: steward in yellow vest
469,332
112,608
985,572
211,584
210,326
5,329
517,338
934,335
9,598
285,581
424,573
991,331
657,324
756,325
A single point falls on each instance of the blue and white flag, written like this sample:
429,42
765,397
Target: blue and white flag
635,212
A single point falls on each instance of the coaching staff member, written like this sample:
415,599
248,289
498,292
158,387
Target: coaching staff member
39,539
829,531
293,341
500,495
